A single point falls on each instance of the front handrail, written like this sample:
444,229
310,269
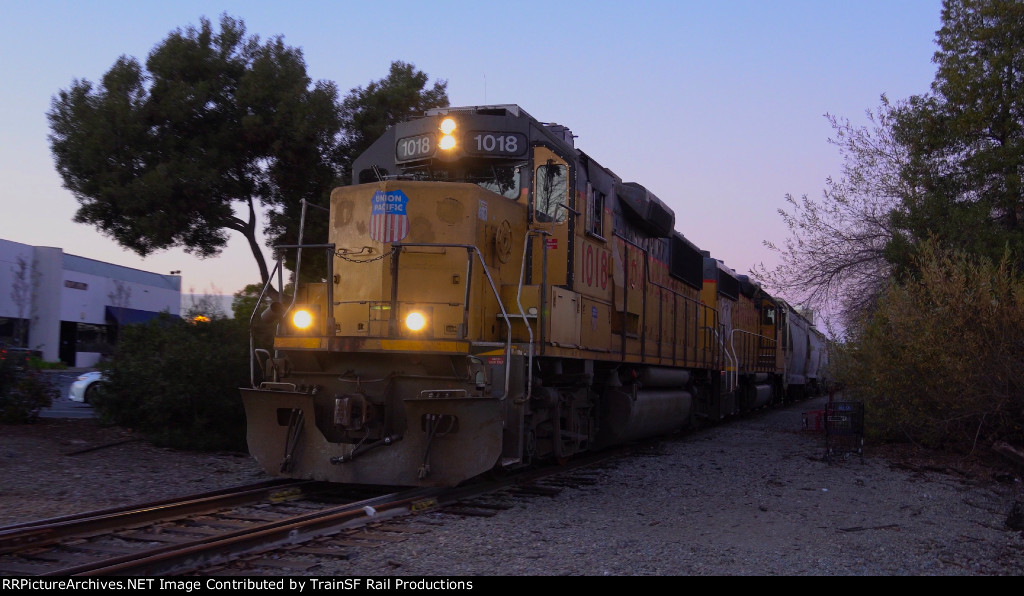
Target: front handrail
252,320
279,270
470,249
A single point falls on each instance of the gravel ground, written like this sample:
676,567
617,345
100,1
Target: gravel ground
754,497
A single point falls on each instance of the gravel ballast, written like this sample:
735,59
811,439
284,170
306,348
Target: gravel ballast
752,497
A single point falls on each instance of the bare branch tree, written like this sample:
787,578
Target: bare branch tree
834,259
121,296
21,295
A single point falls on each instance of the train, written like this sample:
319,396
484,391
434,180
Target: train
491,297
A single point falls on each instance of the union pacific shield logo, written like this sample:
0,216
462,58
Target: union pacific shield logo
389,219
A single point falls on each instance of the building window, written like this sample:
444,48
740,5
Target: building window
93,338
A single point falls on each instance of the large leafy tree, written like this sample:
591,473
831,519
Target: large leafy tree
217,124
965,140
368,111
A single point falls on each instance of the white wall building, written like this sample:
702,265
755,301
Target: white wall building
71,307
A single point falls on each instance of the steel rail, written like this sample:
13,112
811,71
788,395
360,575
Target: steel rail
48,531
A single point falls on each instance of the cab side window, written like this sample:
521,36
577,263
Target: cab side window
552,185
595,212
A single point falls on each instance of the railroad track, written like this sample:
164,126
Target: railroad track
277,526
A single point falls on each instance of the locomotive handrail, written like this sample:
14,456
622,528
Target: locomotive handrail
696,313
472,249
298,253
252,336
642,325
330,248
735,373
757,346
519,303
733,361
279,269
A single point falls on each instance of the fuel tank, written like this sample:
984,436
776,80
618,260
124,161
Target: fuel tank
639,413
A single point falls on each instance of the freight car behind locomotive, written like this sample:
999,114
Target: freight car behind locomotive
494,296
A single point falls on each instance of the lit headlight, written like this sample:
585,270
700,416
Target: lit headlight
302,319
447,140
415,321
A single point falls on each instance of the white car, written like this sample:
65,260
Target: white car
85,386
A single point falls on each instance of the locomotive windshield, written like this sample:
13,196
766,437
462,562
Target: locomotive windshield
504,180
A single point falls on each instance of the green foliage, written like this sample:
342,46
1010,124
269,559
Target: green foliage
245,302
367,112
24,391
41,364
218,121
923,236
965,141
941,362
177,383
158,158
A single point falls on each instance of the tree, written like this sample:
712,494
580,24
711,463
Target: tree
365,114
25,278
834,260
246,302
161,158
944,166
916,384
966,139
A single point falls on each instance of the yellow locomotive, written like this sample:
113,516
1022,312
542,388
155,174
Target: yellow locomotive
494,296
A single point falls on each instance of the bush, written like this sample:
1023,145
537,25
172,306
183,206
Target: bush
177,383
942,360
23,392
46,365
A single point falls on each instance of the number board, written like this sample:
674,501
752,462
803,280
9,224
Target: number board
481,142
416,147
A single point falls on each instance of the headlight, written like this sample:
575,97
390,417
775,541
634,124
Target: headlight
302,319
415,321
447,140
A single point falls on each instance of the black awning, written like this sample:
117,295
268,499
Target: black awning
129,316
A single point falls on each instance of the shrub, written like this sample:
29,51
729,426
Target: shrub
177,383
941,362
47,365
23,392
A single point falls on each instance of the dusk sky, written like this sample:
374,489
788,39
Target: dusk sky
716,107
